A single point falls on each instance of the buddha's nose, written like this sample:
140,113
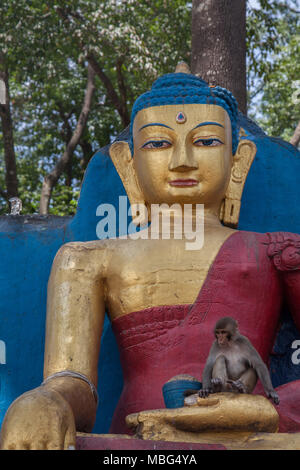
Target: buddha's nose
182,160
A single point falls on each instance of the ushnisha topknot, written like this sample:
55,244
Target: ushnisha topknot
185,88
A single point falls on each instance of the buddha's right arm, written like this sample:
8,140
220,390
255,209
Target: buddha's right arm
75,315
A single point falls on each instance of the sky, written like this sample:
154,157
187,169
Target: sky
255,3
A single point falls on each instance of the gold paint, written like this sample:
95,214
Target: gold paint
242,162
182,67
127,275
32,420
210,167
242,132
220,413
221,177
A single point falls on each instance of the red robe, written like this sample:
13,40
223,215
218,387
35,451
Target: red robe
248,280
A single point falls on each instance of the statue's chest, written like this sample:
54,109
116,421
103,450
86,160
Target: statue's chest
166,266
170,264
167,274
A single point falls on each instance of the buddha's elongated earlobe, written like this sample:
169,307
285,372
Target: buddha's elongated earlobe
121,157
242,162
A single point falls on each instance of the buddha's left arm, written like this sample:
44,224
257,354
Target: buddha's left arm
284,249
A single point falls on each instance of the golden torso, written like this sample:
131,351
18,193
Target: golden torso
141,274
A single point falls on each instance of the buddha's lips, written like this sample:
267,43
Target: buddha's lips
183,182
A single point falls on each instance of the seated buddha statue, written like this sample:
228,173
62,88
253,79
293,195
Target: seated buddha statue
162,299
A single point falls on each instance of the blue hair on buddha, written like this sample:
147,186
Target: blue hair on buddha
183,88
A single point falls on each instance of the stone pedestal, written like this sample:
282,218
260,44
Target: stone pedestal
254,441
124,442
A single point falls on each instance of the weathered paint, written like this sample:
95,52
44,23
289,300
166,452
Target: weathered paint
271,202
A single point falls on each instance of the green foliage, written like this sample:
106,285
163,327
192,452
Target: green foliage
45,46
64,196
273,66
46,56
281,97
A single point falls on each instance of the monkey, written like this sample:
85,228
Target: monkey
233,364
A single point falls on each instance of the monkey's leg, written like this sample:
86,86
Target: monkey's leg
249,379
246,383
219,375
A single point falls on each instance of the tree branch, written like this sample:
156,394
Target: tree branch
66,131
296,136
122,88
51,179
64,14
66,134
256,92
113,96
87,151
92,60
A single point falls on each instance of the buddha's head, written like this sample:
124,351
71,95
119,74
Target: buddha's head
184,147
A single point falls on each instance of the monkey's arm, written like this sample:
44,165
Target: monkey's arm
207,374
206,377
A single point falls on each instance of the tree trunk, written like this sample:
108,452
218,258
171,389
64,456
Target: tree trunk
11,179
51,179
219,45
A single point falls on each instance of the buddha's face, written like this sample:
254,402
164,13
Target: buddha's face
183,162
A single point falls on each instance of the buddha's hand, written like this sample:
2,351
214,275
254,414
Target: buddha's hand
39,419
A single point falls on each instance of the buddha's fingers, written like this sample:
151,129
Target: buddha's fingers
63,441
40,445
56,443
22,445
70,438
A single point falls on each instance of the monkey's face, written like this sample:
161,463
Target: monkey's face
223,337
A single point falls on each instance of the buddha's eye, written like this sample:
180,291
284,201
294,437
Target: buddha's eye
156,144
207,142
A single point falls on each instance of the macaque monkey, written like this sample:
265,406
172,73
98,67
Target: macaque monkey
233,364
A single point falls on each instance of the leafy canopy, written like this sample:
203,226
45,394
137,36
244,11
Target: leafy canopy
45,46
